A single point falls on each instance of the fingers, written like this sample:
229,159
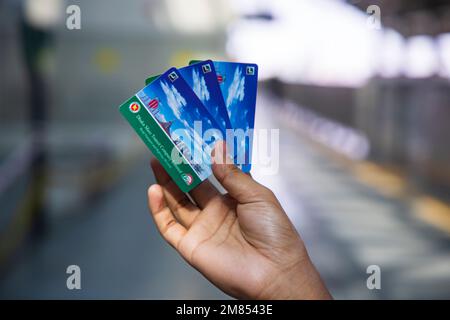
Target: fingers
203,193
172,231
239,185
177,201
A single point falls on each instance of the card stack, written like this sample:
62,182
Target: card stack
181,113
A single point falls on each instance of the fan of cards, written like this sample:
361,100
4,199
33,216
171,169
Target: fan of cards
181,113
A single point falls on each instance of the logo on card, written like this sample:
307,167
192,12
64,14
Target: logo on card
206,68
220,78
187,178
153,104
250,70
173,76
135,107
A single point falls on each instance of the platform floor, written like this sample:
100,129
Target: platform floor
345,224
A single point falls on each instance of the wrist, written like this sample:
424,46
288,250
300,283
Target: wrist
300,282
307,284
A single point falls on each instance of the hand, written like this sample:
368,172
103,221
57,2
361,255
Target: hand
243,241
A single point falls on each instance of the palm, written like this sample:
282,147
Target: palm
217,246
236,245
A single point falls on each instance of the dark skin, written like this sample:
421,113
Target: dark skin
243,241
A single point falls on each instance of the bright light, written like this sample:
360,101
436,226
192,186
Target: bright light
391,54
197,16
191,16
321,42
248,6
43,13
444,52
422,59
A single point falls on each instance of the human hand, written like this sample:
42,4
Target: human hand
243,242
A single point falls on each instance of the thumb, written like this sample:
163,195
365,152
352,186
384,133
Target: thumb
239,185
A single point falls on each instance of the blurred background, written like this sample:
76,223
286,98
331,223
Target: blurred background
360,91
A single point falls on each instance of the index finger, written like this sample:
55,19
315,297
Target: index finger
177,201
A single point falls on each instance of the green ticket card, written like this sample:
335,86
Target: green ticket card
162,114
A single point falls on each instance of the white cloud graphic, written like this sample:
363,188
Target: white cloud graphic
236,91
199,86
174,99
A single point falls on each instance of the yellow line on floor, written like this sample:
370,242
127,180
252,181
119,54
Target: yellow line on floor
390,182
433,211
387,182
